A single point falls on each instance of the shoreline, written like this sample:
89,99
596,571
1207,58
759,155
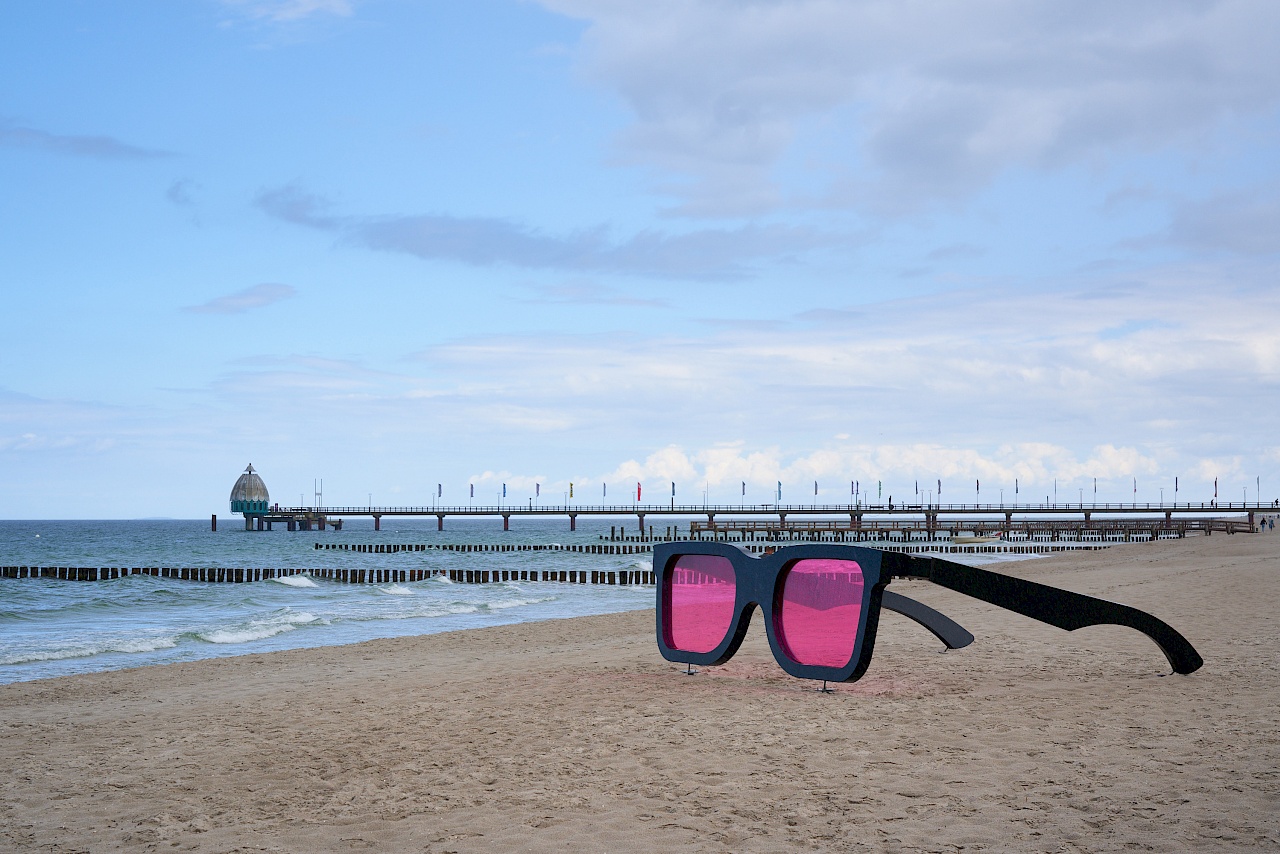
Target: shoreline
576,733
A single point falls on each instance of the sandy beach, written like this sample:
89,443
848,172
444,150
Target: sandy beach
575,735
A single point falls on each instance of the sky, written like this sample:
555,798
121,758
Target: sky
1010,248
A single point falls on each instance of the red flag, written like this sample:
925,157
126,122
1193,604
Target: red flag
637,491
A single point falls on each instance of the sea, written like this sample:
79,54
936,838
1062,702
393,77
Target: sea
52,628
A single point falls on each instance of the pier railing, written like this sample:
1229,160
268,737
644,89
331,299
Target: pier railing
670,508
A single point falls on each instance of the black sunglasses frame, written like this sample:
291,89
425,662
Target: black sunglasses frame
759,584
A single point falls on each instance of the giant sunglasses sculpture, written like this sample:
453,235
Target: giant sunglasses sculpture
822,602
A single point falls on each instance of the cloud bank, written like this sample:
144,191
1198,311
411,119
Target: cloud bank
892,105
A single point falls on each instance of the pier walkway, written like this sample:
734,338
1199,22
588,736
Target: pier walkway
933,518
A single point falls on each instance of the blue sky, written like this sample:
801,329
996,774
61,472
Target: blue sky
392,244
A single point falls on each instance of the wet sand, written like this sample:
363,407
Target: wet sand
575,735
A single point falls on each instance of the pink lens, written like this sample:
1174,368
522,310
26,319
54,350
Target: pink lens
699,598
821,605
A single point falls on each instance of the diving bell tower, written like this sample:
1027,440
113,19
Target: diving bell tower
250,497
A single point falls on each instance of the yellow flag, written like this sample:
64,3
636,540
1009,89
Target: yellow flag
571,490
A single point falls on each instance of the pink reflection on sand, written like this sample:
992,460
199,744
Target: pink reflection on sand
821,606
700,597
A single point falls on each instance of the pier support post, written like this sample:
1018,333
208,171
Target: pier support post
248,523
506,521
711,521
439,521
573,521
377,523
213,522
640,516
782,519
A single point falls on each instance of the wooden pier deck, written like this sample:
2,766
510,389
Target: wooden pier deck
935,517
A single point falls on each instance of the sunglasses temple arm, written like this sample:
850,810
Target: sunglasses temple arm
1052,605
943,627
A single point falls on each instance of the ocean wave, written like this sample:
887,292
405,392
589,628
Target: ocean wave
258,629
295,581
397,590
503,604
87,649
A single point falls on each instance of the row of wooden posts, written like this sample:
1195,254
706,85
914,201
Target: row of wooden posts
908,547
238,575
472,576
396,548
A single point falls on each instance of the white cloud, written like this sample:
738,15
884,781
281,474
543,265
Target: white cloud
255,296
708,254
290,10
75,145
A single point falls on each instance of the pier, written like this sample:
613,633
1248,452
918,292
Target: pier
934,519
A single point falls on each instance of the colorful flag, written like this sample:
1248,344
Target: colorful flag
779,490
977,486
1215,487
815,487
473,490
744,488
537,490
439,490
504,490
570,489
637,490
673,489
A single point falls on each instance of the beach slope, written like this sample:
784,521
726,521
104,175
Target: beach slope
576,735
